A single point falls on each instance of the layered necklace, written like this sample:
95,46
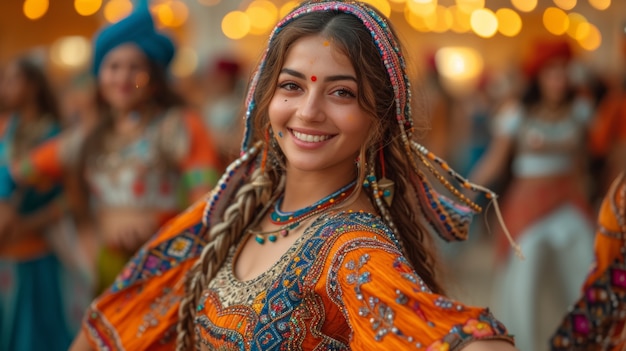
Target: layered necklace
291,220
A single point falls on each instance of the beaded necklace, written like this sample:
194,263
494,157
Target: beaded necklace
279,217
291,220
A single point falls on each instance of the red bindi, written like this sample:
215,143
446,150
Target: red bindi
313,78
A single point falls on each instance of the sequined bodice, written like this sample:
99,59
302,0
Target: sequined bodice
235,311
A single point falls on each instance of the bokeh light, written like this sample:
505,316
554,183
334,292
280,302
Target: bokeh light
440,20
600,4
555,20
461,20
588,36
416,21
524,5
509,22
236,25
263,15
460,69
72,52
287,7
422,7
172,13
381,5
484,23
115,10
575,20
469,6
35,9
87,7
565,4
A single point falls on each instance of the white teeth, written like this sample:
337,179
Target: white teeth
310,138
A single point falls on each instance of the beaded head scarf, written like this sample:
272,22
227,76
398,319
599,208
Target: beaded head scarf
450,219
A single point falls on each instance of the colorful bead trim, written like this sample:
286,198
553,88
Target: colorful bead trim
279,217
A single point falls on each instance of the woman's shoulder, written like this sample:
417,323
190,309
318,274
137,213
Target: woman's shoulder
337,231
352,224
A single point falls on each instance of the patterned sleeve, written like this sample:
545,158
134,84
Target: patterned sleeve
597,317
389,307
187,142
140,310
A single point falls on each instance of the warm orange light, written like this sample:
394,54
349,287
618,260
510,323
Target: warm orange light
461,20
71,52
287,7
172,14
35,9
439,21
236,25
575,20
600,4
588,36
87,7
565,4
469,6
397,5
422,7
415,21
115,10
555,20
484,23
524,5
263,15
509,22
381,5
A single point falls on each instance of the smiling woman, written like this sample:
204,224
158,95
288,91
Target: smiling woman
302,246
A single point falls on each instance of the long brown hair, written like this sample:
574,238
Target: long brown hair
45,99
376,97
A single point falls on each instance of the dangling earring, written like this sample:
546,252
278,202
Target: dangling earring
387,186
262,182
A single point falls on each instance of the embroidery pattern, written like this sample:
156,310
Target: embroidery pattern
597,319
281,307
382,316
167,255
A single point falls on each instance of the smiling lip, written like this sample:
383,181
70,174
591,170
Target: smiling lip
309,139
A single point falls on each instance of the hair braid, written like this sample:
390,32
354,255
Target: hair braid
222,236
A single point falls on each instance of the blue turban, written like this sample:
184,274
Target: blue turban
137,28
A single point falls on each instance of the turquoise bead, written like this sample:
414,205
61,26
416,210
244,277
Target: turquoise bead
259,239
272,238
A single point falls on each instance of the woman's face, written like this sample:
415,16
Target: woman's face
553,81
315,113
14,88
124,79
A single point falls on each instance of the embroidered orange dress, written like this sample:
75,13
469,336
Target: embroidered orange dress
597,320
343,285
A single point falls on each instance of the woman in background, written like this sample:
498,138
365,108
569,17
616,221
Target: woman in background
597,321
542,139
146,157
40,303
